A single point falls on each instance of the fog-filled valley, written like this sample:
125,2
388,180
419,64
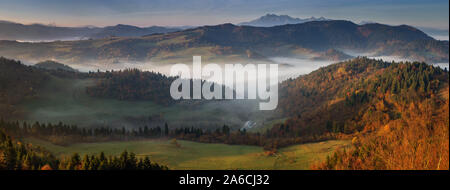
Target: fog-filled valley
65,100
316,93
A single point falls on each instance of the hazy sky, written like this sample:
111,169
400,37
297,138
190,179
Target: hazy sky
428,13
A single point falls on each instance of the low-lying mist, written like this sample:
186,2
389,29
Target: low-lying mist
66,101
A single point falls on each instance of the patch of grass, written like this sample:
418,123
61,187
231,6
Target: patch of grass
192,155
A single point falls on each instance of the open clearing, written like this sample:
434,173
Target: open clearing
197,156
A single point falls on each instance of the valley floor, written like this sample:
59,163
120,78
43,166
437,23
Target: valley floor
198,156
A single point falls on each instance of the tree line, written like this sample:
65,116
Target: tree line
15,155
62,134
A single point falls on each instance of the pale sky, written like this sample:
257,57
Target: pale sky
427,13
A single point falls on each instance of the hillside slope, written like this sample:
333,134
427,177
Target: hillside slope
396,113
17,82
348,93
53,65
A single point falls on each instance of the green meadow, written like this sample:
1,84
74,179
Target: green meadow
198,156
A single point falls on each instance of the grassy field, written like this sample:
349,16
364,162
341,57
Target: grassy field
192,155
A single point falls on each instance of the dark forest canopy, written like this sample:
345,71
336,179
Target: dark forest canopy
133,84
397,113
339,96
15,155
17,82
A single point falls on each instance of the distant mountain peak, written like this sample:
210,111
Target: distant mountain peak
276,16
270,19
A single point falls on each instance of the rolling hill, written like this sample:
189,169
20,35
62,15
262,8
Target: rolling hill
53,65
229,42
41,32
396,113
51,92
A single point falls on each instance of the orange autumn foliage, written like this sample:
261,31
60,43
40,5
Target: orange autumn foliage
417,141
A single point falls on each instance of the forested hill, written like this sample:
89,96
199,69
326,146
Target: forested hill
314,35
403,40
53,65
377,102
17,155
17,82
133,84
344,93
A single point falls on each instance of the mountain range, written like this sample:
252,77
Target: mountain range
40,32
313,40
269,20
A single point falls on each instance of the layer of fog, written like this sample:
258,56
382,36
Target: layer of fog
391,58
237,111
440,37
52,40
234,113
287,67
